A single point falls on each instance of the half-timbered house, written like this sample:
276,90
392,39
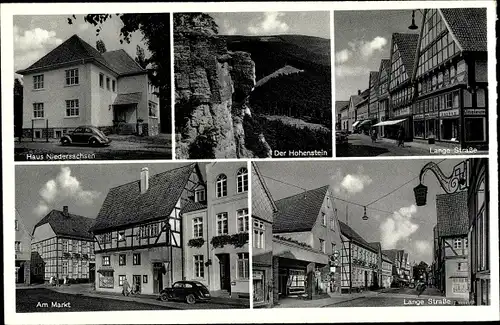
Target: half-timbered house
138,231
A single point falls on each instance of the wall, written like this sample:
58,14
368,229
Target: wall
23,236
102,98
54,96
135,84
189,252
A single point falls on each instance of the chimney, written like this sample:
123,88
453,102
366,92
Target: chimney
144,180
65,210
359,92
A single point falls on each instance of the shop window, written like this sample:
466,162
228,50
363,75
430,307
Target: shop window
449,129
258,278
106,280
475,129
430,126
419,129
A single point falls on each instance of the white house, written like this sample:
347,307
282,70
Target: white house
75,85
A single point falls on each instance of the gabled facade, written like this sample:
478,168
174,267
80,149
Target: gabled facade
138,231
62,247
340,107
403,49
22,251
387,265
215,231
263,209
452,228
75,85
451,77
373,110
306,244
383,94
359,261
378,276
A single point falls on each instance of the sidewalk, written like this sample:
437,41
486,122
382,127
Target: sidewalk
423,145
324,302
87,290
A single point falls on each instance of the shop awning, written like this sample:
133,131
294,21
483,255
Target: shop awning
105,269
355,124
393,122
364,122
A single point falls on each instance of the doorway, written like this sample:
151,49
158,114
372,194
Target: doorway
91,272
157,277
224,272
136,283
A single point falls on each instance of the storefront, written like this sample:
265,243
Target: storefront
262,275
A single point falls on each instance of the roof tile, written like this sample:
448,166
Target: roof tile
452,214
70,225
469,27
407,46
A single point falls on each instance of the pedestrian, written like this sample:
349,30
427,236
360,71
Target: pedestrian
126,286
401,137
374,135
421,288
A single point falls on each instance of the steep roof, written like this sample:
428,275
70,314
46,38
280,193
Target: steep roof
122,63
391,254
385,64
387,258
469,27
340,105
70,225
75,49
354,236
374,76
190,206
376,246
299,212
407,46
452,218
125,205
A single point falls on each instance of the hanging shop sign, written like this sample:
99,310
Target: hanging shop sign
475,111
431,115
418,116
449,113
402,111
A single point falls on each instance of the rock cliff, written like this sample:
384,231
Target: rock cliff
212,86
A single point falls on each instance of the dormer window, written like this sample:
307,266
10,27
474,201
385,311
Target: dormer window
199,195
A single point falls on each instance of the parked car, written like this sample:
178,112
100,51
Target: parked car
85,134
340,138
188,291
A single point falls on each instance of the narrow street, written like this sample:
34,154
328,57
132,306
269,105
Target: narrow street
361,145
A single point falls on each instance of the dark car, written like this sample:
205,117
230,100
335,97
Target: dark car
86,134
188,291
340,138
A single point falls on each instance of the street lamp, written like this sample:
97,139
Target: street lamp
365,217
413,26
458,180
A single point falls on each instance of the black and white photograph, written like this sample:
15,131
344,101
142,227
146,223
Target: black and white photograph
92,87
411,82
252,85
371,233
132,237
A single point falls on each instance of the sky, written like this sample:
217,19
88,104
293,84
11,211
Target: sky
35,36
362,40
310,23
83,188
408,227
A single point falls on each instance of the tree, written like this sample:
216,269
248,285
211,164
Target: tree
101,47
420,270
18,107
140,57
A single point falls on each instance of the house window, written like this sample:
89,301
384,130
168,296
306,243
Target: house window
105,238
113,85
38,110
222,224
242,180
144,279
457,243
17,224
466,243
197,227
462,266
72,77
107,83
121,236
459,285
242,220
38,81
121,280
243,269
65,268
221,186
75,269
122,259
151,230
72,107
18,246
136,259
199,266
153,109
332,223
106,260
258,234
101,80
199,195
323,219
322,245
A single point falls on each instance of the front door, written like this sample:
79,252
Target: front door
157,277
225,275
136,283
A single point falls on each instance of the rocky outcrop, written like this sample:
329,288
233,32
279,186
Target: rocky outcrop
212,86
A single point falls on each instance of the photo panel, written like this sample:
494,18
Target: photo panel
92,87
411,82
390,233
252,85
148,236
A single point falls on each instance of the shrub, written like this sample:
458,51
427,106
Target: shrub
252,141
196,242
203,146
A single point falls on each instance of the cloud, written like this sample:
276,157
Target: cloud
269,24
34,39
83,27
377,44
423,247
398,227
228,29
351,71
64,187
352,183
342,56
